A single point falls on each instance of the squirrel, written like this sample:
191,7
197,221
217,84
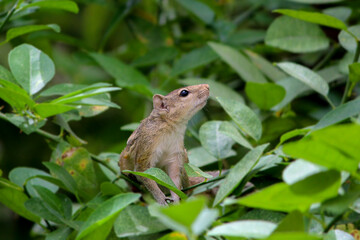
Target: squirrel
159,139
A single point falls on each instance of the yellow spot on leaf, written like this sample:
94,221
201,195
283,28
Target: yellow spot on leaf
83,163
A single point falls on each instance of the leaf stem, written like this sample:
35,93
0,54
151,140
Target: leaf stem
330,102
104,163
356,58
119,16
333,222
9,14
51,136
208,181
328,55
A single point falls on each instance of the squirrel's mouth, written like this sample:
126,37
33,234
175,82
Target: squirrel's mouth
204,93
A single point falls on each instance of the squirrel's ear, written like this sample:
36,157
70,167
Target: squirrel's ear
159,104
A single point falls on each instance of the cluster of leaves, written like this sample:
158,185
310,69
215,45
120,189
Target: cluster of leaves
287,133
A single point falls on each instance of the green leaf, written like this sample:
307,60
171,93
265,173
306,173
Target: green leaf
196,58
295,36
230,130
299,170
65,5
155,56
84,93
61,233
238,172
108,188
53,207
340,204
340,137
243,116
193,171
314,17
347,41
240,63
215,142
18,31
199,9
78,163
253,229
299,196
50,109
161,178
293,133
306,75
354,72
6,75
63,123
50,198
125,75
266,162
267,68
14,95
264,95
245,37
40,208
293,222
136,221
293,236
14,198
31,67
338,235
339,114
295,88
196,219
20,176
62,175
200,157
340,12
93,105
100,222
316,1
130,127
174,236
67,88
217,89
336,153
27,125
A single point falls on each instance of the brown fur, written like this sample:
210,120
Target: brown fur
159,140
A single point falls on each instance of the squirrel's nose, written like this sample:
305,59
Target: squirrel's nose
206,86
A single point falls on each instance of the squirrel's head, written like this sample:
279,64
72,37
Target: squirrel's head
181,104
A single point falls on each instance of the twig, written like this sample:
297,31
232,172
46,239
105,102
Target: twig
356,58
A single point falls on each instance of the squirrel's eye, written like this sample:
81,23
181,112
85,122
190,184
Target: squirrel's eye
184,93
